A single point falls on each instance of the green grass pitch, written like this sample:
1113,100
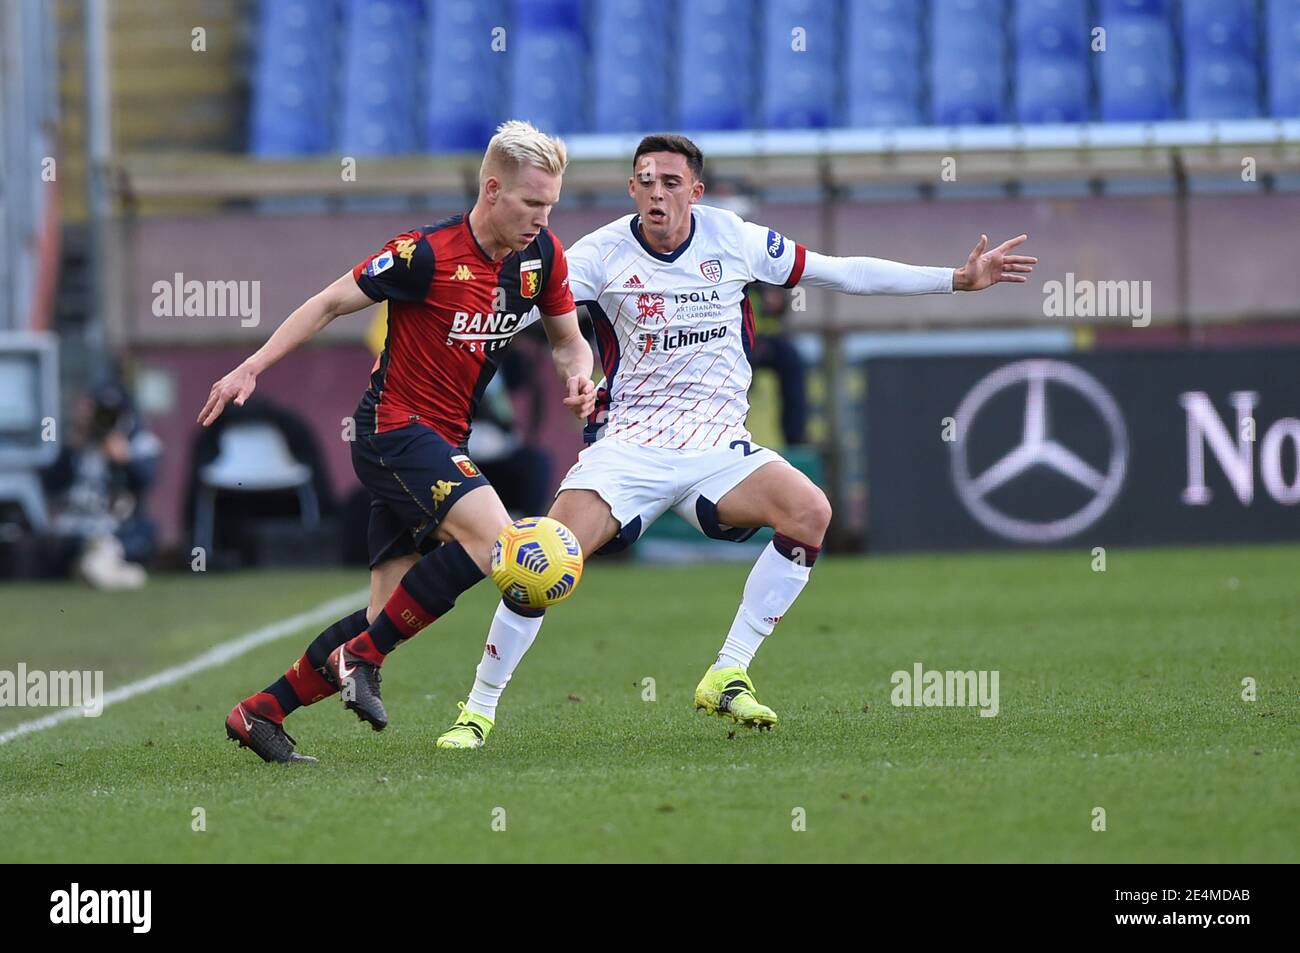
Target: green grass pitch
1119,689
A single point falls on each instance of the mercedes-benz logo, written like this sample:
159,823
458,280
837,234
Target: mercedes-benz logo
1039,447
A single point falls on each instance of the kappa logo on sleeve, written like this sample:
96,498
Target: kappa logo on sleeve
405,250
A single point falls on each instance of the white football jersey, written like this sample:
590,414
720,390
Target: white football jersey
675,331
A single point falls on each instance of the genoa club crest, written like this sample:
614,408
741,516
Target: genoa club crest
530,278
711,269
465,465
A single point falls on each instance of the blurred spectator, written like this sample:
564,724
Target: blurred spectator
99,484
774,349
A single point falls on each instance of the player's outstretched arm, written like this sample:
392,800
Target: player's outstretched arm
573,361
341,297
984,268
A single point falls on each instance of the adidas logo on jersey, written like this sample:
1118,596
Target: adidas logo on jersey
462,273
633,282
671,341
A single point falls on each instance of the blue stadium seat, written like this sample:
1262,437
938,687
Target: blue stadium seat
380,77
1052,90
564,16
1148,8
1222,87
547,65
1283,57
464,77
1054,28
1135,77
1053,43
904,13
968,62
800,86
883,77
1219,27
716,55
966,12
293,84
630,70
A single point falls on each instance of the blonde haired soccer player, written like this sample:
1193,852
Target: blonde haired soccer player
457,292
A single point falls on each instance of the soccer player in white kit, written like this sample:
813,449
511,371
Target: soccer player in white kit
665,291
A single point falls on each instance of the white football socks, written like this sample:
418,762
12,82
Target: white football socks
773,585
508,639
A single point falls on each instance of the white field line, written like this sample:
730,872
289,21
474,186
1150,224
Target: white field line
217,655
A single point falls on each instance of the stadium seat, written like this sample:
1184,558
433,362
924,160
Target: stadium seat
800,70
1283,32
1149,8
1051,28
883,79
902,13
254,457
1135,78
1051,90
968,61
630,67
1220,53
380,79
564,16
293,83
547,65
464,77
1221,87
715,65
1052,43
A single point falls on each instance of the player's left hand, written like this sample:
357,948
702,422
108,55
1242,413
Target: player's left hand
582,397
985,268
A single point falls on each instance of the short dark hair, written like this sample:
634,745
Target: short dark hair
671,142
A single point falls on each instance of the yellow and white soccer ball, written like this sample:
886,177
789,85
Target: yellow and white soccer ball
536,562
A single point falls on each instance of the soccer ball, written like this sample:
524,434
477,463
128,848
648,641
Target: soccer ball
536,562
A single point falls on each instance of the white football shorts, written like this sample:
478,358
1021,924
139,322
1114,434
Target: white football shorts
641,483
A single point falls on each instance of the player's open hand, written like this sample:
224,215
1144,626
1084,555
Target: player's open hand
582,397
237,386
986,267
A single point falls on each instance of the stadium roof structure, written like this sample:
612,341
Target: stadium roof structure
827,158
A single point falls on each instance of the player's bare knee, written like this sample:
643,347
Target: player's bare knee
805,515
819,511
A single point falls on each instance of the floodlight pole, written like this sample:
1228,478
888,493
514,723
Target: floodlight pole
99,147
